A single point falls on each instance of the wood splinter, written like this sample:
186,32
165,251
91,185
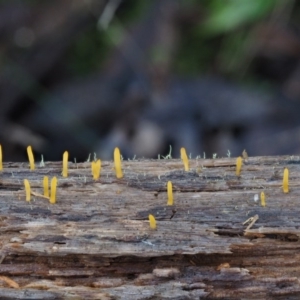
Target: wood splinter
11,283
252,221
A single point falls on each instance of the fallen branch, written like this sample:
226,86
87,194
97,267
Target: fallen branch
96,242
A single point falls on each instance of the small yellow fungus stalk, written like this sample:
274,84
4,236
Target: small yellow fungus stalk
117,160
53,190
170,193
46,186
1,166
30,158
65,164
285,183
184,159
263,199
152,222
27,189
238,166
96,167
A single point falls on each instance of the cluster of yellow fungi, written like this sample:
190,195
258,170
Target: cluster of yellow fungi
96,170
285,182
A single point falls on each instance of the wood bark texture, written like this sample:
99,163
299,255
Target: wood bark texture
215,242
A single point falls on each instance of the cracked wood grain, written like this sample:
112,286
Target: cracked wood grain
96,243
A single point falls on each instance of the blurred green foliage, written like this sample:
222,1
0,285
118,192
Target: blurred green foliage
93,46
219,40
88,52
227,15
216,41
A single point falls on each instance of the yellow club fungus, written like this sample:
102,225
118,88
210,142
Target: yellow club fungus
1,166
96,167
263,199
117,160
53,190
65,164
285,183
184,159
170,193
46,186
27,189
238,166
30,158
152,222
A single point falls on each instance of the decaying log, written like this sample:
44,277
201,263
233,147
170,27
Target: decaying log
216,242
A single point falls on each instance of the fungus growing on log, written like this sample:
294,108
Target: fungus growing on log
170,193
184,159
238,166
65,164
152,222
96,167
53,190
263,199
117,160
27,189
30,158
285,183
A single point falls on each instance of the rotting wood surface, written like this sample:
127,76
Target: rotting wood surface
96,243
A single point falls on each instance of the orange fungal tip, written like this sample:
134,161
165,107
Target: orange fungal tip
152,222
46,186
53,190
238,166
27,189
170,193
30,158
285,183
117,160
96,167
263,199
65,164
1,166
184,159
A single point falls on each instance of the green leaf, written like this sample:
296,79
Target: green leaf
228,15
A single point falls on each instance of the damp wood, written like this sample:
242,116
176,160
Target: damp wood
216,241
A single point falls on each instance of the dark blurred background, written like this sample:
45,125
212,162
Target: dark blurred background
214,76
